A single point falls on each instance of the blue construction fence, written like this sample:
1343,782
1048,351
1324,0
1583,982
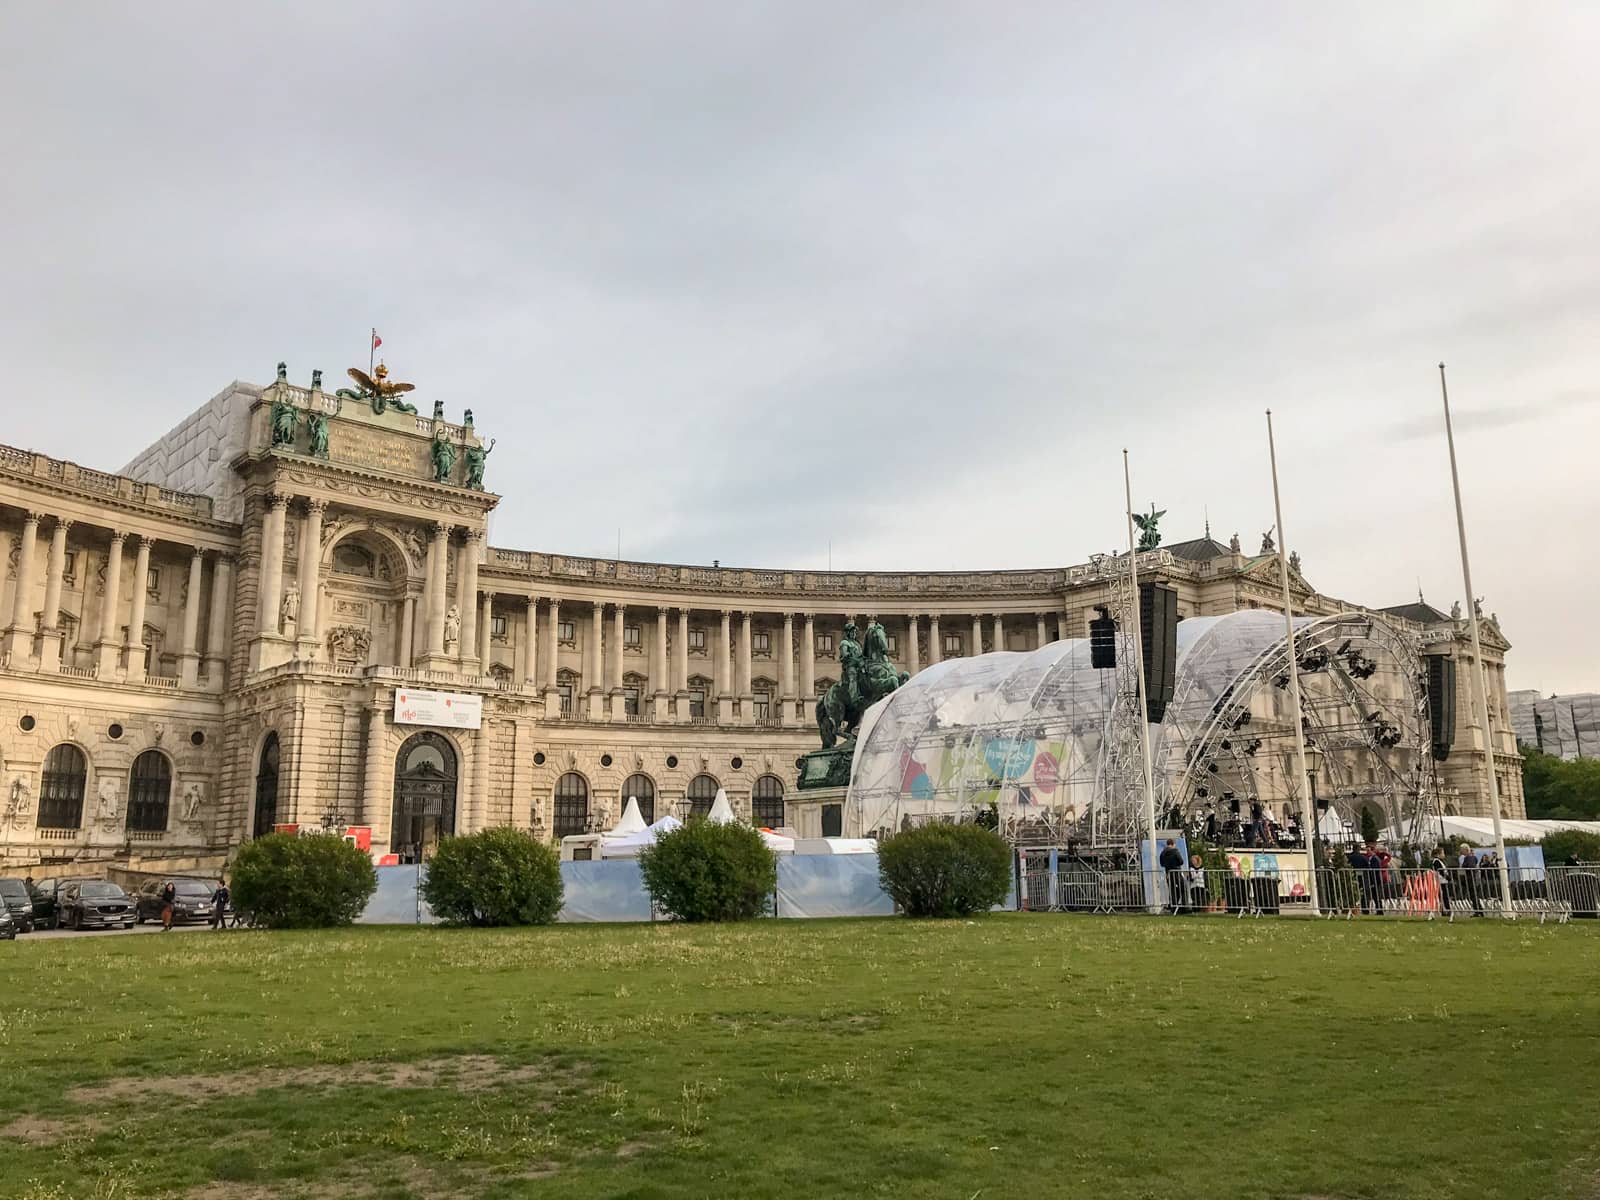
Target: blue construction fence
809,885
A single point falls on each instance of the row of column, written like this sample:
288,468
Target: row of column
111,645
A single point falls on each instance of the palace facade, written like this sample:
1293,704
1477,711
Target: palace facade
225,637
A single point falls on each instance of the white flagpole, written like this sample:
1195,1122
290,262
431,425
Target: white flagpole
1144,704
372,349
1308,810
1481,670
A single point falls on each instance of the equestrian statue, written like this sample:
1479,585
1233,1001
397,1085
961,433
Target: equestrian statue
865,676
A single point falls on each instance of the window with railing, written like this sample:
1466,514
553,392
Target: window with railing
566,688
698,688
642,788
571,805
702,792
149,793
762,701
766,802
61,788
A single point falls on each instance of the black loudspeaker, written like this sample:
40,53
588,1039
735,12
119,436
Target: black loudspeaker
1103,641
1158,629
1442,703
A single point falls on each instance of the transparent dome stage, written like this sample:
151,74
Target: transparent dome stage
1052,742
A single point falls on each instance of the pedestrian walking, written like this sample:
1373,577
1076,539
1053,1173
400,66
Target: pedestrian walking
1172,864
169,898
219,905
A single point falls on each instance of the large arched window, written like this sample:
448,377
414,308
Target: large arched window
572,805
61,787
643,789
149,793
766,802
702,791
267,787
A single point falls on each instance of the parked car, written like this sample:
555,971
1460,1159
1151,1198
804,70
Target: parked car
191,904
8,926
45,894
94,904
14,897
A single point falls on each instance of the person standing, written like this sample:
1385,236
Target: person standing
1172,864
1467,866
219,905
169,898
1441,876
1199,890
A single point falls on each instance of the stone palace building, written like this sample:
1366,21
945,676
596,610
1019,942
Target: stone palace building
230,634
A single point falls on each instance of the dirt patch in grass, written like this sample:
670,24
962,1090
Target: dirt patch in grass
43,1131
464,1073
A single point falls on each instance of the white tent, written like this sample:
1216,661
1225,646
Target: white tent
835,846
776,842
629,847
721,811
1479,831
632,822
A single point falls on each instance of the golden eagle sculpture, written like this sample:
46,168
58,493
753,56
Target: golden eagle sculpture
376,390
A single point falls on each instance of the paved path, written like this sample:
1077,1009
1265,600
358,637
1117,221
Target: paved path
148,927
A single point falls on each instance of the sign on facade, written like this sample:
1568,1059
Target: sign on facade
454,710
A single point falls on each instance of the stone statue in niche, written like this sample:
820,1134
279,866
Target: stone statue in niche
452,626
444,458
21,797
108,806
318,425
194,796
284,419
290,608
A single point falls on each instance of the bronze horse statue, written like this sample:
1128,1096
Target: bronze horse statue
865,676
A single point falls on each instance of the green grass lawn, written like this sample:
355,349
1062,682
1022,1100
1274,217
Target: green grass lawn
1019,1055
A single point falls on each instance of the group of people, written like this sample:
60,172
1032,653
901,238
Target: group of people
1461,874
1258,828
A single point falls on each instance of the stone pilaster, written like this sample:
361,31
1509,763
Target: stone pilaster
747,703
189,648
659,671
108,649
552,698
786,703
596,668
50,644
136,607
680,682
310,623
724,671
217,628
19,638
935,642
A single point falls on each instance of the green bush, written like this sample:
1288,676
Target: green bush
943,870
494,877
710,872
289,882
1570,843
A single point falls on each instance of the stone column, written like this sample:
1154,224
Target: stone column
808,662
616,702
408,631
786,705
680,681
478,806
136,602
935,642
270,592
433,601
217,626
189,652
659,670
376,801
913,650
530,645
486,631
19,641
1040,637
977,635
50,647
747,702
552,701
724,671
310,621
999,632
596,671
109,647
467,600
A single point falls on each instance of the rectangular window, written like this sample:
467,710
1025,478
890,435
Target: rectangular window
824,643
952,644
763,705
697,702
631,637
894,643
630,701
69,569
697,639
565,691
152,583
566,632
762,642
497,627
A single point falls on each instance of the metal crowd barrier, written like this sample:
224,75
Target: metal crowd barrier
1051,882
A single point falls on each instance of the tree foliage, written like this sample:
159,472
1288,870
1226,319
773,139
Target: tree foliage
1369,824
944,870
494,877
311,882
1567,844
707,871
1555,788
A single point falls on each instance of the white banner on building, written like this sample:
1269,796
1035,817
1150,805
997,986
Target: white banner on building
455,710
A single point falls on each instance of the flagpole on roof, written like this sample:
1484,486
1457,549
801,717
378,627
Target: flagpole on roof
372,349
1153,894
1480,672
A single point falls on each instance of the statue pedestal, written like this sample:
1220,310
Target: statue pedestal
819,812
827,768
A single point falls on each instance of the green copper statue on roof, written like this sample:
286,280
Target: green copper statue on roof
1149,534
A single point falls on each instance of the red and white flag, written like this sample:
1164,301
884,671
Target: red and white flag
376,340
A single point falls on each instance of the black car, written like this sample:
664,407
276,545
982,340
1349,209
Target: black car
191,904
94,904
45,893
8,927
15,899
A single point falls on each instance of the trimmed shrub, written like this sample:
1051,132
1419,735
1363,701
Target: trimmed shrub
494,877
943,870
313,882
710,872
1570,843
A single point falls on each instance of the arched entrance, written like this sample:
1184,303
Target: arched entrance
267,787
424,796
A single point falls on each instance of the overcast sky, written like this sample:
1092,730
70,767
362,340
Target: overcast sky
744,279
